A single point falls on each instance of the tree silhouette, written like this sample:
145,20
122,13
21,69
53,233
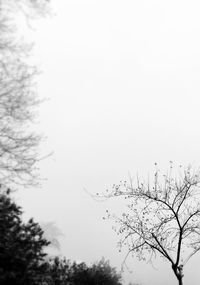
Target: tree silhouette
102,273
60,271
162,217
21,246
57,271
18,145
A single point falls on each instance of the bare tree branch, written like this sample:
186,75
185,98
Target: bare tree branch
18,98
162,217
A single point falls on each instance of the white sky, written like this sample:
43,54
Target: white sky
123,82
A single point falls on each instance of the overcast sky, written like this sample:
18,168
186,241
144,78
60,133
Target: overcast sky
123,82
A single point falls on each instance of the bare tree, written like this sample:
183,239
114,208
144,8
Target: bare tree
18,145
163,217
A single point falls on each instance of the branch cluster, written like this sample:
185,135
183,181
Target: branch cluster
18,98
163,217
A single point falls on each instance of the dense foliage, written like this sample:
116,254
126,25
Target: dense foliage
24,262
62,272
21,246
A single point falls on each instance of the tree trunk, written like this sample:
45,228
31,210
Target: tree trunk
179,275
178,271
180,281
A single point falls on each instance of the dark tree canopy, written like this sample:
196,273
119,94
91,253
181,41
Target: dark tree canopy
21,246
23,260
57,271
63,272
103,273
98,273
162,217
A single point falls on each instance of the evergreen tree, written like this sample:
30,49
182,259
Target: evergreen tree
21,246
